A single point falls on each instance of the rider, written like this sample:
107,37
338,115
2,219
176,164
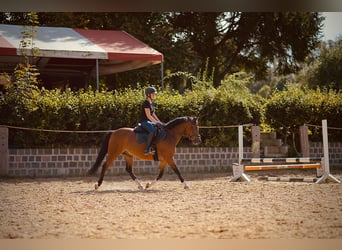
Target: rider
148,117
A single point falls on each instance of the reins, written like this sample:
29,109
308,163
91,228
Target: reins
183,120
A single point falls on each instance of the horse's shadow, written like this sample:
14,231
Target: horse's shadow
115,191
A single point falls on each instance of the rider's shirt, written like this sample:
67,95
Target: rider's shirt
146,104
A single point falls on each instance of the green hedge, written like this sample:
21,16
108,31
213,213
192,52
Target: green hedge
230,104
286,111
93,110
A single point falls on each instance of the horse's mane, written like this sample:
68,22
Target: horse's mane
173,123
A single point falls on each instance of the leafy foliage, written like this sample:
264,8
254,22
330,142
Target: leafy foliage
326,71
26,73
286,110
248,41
93,110
233,41
229,104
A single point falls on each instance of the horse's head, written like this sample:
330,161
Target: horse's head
192,130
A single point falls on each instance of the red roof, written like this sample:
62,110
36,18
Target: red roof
121,45
76,50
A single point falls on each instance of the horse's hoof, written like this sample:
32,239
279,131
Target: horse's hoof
140,187
148,184
185,185
96,186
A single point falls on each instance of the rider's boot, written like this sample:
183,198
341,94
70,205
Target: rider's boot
149,149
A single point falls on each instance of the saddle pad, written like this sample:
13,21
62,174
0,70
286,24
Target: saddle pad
141,135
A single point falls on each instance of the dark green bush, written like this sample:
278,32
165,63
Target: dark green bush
286,110
92,110
230,104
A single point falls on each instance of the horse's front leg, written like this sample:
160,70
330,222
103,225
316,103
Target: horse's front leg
160,175
176,170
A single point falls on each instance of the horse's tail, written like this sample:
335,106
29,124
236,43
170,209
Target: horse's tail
101,155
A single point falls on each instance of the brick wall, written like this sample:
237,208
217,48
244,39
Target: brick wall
77,161
335,152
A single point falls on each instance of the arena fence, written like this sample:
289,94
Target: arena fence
52,162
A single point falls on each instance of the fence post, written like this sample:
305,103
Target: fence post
304,141
240,136
325,146
237,167
256,141
3,151
326,175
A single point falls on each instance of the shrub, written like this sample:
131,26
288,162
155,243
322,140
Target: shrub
286,110
93,110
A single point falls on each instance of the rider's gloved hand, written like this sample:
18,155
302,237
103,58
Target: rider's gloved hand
160,124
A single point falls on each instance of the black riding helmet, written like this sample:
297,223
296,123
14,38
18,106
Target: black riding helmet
150,90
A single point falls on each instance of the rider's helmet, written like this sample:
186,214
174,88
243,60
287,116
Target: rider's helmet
150,90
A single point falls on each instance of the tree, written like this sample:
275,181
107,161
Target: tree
25,73
250,41
326,69
232,41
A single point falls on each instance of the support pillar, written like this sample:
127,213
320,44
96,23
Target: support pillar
3,151
255,141
304,141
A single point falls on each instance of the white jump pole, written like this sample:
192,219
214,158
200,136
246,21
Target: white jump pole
240,134
326,175
238,169
325,146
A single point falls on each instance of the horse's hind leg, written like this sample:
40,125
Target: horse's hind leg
129,169
105,166
103,171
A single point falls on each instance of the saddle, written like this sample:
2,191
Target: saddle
141,135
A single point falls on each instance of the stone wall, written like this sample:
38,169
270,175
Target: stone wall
335,152
76,161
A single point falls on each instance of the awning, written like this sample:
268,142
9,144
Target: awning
75,51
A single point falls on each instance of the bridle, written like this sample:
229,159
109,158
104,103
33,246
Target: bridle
195,137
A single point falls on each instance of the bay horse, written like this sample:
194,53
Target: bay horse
123,142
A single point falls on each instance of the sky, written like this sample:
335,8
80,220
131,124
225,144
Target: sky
332,25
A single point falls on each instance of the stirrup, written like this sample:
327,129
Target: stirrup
149,151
